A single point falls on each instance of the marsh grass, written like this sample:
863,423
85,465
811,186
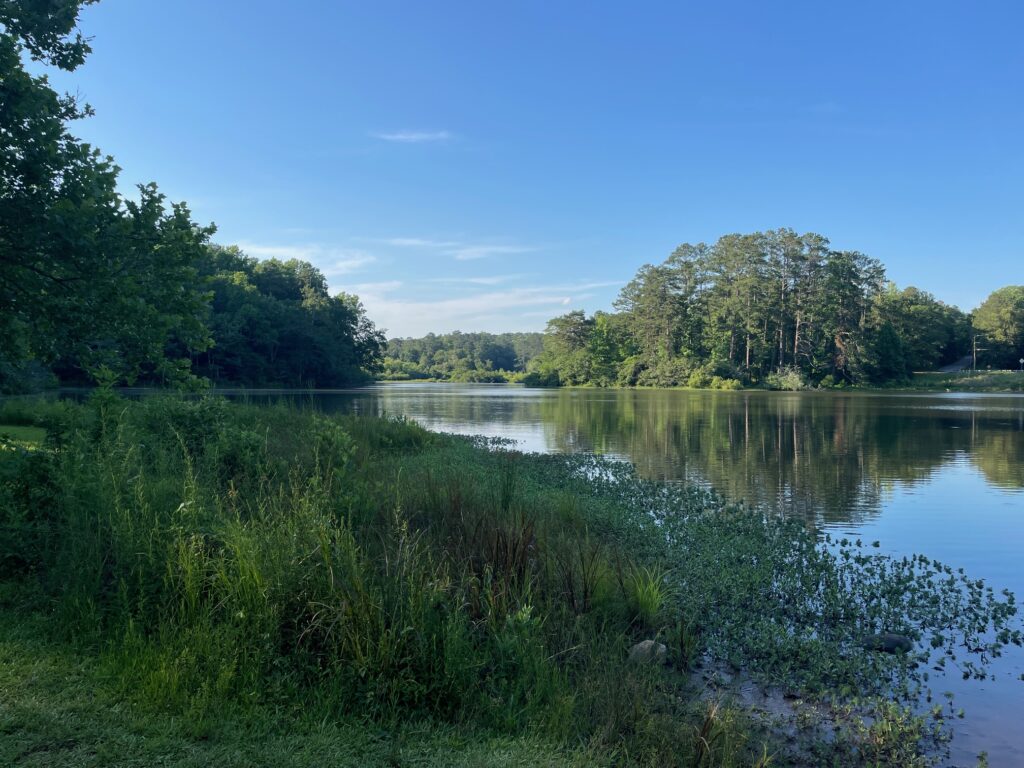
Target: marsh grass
218,557
648,591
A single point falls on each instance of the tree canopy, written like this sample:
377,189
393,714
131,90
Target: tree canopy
96,284
274,322
748,307
485,357
1000,320
86,275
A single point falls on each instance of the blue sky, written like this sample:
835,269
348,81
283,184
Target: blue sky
485,166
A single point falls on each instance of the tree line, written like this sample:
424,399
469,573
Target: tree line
772,308
480,357
96,285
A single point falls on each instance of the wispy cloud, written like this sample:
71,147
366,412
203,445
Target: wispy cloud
460,251
492,310
332,261
413,137
486,280
263,251
350,261
377,289
546,314
471,252
418,242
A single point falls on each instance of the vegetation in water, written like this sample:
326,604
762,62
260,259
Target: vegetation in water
226,561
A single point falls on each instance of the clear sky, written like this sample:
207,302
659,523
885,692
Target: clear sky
485,166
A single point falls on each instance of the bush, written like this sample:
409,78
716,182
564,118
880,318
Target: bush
699,379
788,379
718,382
673,372
539,379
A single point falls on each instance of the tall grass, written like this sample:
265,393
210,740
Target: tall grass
272,556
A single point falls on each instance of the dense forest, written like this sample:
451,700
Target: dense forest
95,285
752,306
274,322
481,357
777,309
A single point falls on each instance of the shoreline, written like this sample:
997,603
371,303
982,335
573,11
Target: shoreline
720,605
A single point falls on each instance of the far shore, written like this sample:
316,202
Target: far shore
993,382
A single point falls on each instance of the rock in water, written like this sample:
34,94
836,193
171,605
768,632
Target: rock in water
648,652
888,642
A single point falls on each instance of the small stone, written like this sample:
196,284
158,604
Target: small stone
648,652
888,642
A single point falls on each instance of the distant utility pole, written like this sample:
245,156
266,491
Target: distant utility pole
975,349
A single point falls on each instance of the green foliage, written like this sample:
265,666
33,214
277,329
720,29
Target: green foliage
88,277
61,708
242,557
274,323
789,379
1000,320
928,333
647,595
465,357
750,308
94,281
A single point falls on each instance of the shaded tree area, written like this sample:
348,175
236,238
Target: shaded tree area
999,321
275,323
776,308
482,357
96,285
88,277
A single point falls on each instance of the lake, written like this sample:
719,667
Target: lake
936,474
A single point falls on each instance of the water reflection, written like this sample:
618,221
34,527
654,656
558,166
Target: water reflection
831,458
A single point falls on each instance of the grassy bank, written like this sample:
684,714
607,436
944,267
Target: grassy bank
965,381
982,381
187,581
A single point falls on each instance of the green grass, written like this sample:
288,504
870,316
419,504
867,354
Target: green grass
187,581
60,706
20,436
982,381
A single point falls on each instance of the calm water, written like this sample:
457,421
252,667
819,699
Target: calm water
941,475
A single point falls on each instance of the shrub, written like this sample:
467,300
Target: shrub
788,379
